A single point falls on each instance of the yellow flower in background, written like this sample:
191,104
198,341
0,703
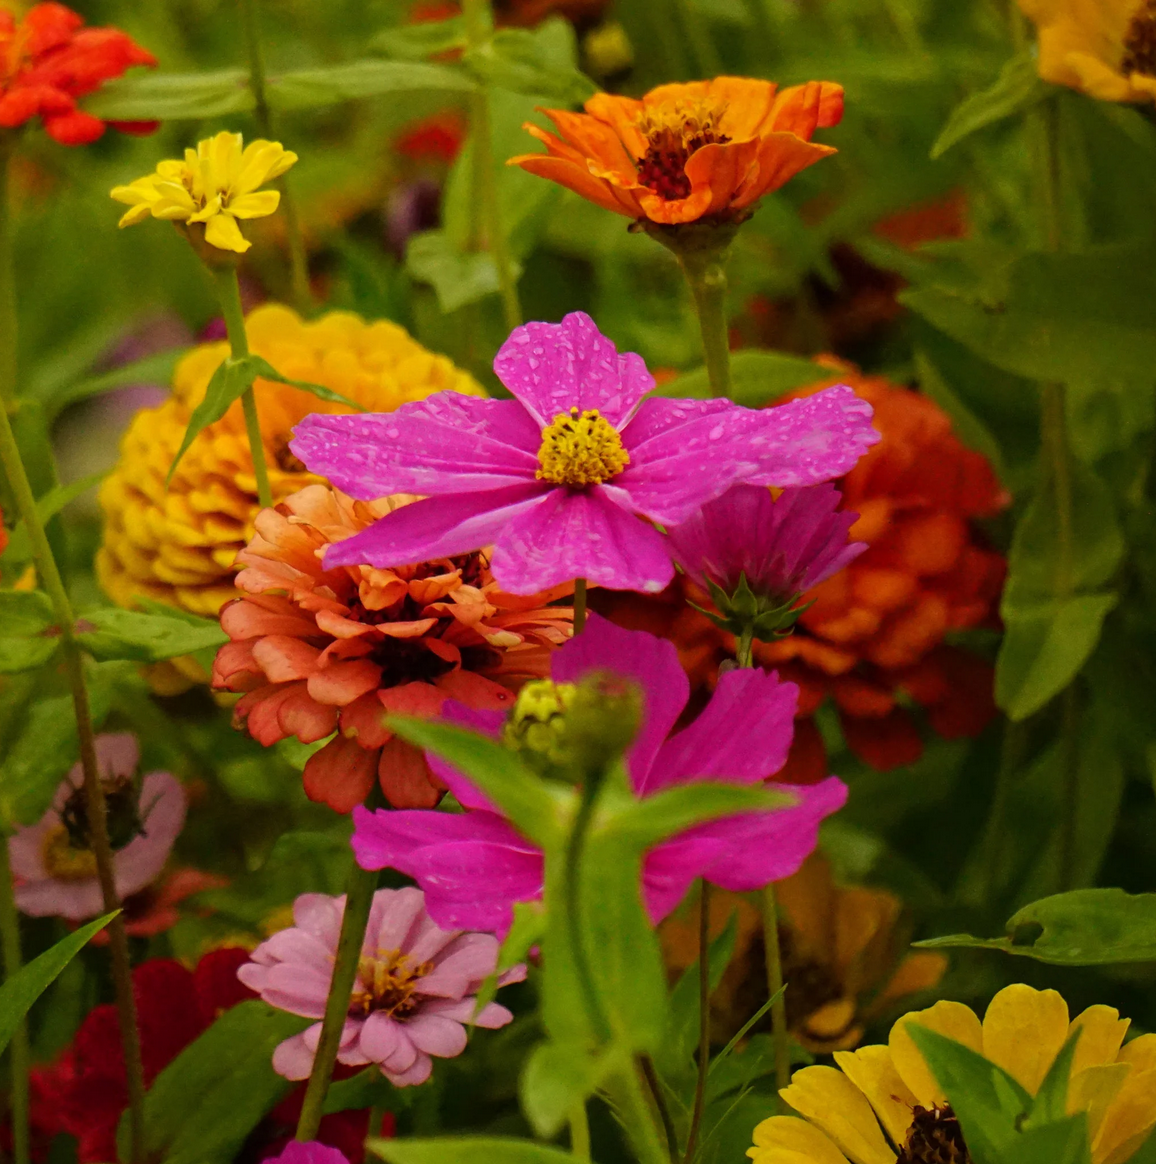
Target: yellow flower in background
177,545
886,1095
1105,48
216,184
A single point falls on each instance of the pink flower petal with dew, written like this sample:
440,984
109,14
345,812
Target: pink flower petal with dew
447,443
740,737
553,367
651,662
580,535
293,1059
162,810
438,527
436,1035
808,441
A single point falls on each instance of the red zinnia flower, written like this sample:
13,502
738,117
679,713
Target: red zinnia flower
48,59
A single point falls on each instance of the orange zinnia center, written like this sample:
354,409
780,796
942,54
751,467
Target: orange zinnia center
387,983
1140,42
673,132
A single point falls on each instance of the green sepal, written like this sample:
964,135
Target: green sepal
743,611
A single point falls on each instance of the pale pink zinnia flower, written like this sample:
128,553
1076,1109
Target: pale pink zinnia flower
415,988
55,871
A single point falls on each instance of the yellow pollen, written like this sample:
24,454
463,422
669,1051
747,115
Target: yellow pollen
580,449
387,983
686,124
62,861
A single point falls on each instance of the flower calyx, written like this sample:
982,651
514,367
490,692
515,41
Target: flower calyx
742,612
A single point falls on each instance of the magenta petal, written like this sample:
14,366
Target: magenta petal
741,736
817,438
310,1153
580,535
553,367
438,527
447,443
651,662
486,723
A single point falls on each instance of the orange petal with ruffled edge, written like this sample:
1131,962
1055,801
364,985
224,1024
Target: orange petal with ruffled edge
405,777
340,775
780,157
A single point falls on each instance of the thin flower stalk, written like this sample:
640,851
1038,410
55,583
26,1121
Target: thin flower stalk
7,278
703,1019
19,1052
774,958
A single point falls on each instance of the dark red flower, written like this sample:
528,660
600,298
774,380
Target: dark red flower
49,59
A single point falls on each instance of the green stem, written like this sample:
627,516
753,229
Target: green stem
650,1074
8,318
489,229
19,1052
774,959
359,893
579,604
706,274
703,1019
745,648
298,257
50,578
627,1094
229,292
579,1132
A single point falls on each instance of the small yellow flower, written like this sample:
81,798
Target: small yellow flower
886,1095
1105,48
216,184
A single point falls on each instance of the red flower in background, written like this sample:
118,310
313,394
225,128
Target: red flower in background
48,59
84,1093
875,636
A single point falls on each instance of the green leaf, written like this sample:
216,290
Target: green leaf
155,369
1017,88
556,1077
1050,1102
1087,927
652,819
173,96
517,59
467,1150
19,548
416,42
1044,648
531,807
27,635
968,427
26,654
229,382
265,371
113,633
527,931
368,1088
457,277
357,80
1064,1141
20,992
758,377
204,1104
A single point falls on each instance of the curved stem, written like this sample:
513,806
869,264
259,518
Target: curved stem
19,1053
229,292
298,258
579,604
774,959
580,1132
359,893
703,1019
706,274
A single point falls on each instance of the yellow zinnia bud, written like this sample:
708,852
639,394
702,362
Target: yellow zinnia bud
216,184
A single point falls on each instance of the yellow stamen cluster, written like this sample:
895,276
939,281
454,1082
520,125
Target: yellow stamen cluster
62,861
215,184
580,449
681,125
387,983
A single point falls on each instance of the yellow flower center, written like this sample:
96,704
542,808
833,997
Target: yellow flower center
387,983
61,861
1140,42
580,449
673,132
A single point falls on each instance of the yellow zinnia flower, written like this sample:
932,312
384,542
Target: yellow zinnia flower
177,544
1105,48
216,184
885,1097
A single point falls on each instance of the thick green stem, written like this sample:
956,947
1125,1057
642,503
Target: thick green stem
19,1053
774,959
579,1132
50,578
298,257
572,899
8,327
706,274
359,893
745,648
229,292
650,1074
579,604
703,1020
627,1093
489,232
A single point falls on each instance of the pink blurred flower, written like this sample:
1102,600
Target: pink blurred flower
310,1153
56,876
565,479
783,545
414,991
474,866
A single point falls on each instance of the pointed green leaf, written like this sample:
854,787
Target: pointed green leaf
228,383
113,633
457,277
516,59
652,819
19,548
556,1077
172,96
155,369
28,638
265,371
416,42
467,1150
357,80
20,992
1050,1103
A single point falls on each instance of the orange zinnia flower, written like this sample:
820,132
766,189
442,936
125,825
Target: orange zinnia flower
318,650
49,59
685,152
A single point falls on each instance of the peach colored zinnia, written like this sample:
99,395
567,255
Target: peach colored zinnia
319,650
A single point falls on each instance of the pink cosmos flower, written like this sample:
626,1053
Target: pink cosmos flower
565,479
310,1153
783,545
55,873
414,992
474,866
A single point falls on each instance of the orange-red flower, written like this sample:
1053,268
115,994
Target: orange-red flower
318,651
48,59
685,152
